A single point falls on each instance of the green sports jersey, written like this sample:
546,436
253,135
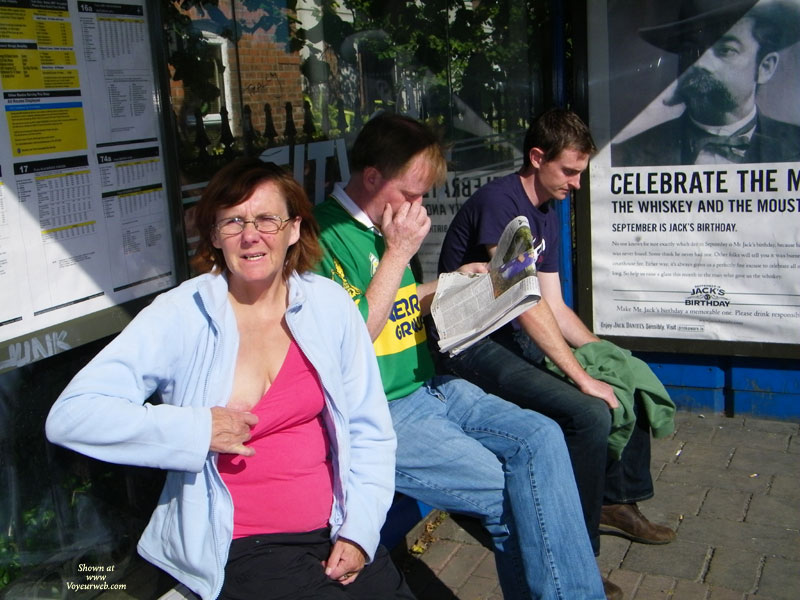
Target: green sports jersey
351,256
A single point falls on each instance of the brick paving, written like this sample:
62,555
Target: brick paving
729,486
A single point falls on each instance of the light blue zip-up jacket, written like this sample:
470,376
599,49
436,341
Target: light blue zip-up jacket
184,346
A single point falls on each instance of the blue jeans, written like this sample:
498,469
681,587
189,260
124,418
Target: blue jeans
505,365
462,450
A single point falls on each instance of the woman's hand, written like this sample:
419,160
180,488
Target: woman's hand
230,429
345,561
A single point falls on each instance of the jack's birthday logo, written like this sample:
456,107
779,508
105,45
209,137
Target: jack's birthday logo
707,295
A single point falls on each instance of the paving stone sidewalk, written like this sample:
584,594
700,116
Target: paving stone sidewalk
729,486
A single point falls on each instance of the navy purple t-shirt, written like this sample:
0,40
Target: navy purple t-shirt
481,220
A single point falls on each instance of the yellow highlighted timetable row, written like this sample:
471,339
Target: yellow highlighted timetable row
20,67
44,128
33,38
66,227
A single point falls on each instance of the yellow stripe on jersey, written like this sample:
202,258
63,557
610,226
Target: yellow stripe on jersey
404,329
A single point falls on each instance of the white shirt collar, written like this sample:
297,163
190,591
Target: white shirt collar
730,129
352,208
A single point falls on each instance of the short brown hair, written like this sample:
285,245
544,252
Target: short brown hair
553,132
235,183
389,142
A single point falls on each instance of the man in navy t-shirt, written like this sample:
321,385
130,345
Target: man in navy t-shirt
508,363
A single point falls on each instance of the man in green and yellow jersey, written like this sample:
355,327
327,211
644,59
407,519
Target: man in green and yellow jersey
459,449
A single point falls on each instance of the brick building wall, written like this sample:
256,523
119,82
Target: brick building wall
266,71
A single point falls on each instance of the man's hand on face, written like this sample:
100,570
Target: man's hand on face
405,230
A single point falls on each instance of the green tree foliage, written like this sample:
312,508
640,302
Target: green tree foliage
477,50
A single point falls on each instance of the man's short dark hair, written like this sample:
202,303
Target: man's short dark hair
555,131
388,142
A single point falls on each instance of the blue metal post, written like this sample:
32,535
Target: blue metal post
559,99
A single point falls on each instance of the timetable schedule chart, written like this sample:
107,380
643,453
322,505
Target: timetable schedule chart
84,217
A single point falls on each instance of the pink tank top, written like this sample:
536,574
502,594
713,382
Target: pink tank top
287,487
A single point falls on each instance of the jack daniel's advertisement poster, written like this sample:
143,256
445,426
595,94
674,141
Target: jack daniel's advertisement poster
695,192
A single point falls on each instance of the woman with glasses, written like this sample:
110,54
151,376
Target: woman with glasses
272,422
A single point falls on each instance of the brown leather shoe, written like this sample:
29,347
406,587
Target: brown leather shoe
626,520
612,590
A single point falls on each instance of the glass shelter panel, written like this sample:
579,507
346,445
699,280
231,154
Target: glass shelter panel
291,82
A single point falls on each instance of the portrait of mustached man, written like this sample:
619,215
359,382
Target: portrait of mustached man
726,50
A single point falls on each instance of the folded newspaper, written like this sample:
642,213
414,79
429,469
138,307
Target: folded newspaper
470,306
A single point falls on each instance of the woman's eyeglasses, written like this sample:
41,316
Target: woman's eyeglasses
262,223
